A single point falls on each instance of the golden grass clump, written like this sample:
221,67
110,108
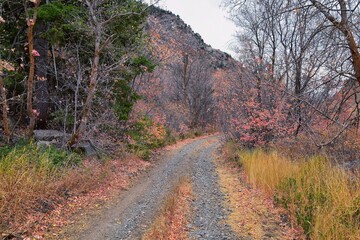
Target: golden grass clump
266,170
34,179
322,198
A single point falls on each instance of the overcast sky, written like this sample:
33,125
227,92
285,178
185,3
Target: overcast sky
205,17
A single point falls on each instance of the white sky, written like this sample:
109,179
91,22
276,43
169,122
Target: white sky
207,18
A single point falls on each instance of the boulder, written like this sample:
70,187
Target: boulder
86,147
50,135
48,143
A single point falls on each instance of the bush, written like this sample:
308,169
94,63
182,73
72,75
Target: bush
145,135
52,156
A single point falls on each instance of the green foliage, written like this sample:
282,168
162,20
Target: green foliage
55,11
12,40
66,26
5,150
66,22
125,97
30,154
13,81
197,133
190,134
124,94
129,27
61,118
140,65
170,138
145,135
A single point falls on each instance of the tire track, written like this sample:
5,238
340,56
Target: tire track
209,219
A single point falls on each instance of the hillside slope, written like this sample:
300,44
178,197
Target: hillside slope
183,90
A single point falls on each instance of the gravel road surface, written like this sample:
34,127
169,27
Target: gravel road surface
134,212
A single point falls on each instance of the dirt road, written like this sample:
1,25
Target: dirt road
136,208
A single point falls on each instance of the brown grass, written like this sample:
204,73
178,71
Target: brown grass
173,218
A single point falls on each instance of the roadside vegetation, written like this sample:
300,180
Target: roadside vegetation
320,197
42,186
174,215
27,176
292,115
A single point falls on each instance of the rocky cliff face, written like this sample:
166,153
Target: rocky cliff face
170,32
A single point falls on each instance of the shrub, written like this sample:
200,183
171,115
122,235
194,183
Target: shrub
144,135
255,116
54,157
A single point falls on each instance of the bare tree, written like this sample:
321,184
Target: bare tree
193,87
310,46
344,25
31,21
5,122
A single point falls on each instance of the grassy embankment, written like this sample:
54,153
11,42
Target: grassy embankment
323,199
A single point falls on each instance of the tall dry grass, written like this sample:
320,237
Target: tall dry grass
25,177
33,180
266,170
323,199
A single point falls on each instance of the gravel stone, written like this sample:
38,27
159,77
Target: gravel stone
137,207
209,211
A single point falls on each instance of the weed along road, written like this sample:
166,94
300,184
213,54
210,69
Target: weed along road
137,208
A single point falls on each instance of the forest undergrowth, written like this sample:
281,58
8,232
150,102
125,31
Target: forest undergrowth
43,186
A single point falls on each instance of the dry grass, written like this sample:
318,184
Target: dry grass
326,203
253,214
266,170
171,221
319,196
36,194
24,182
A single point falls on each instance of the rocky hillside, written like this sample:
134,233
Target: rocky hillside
169,31
185,82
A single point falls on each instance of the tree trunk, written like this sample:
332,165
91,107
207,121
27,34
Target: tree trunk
4,110
91,91
355,55
343,26
30,83
298,95
186,78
